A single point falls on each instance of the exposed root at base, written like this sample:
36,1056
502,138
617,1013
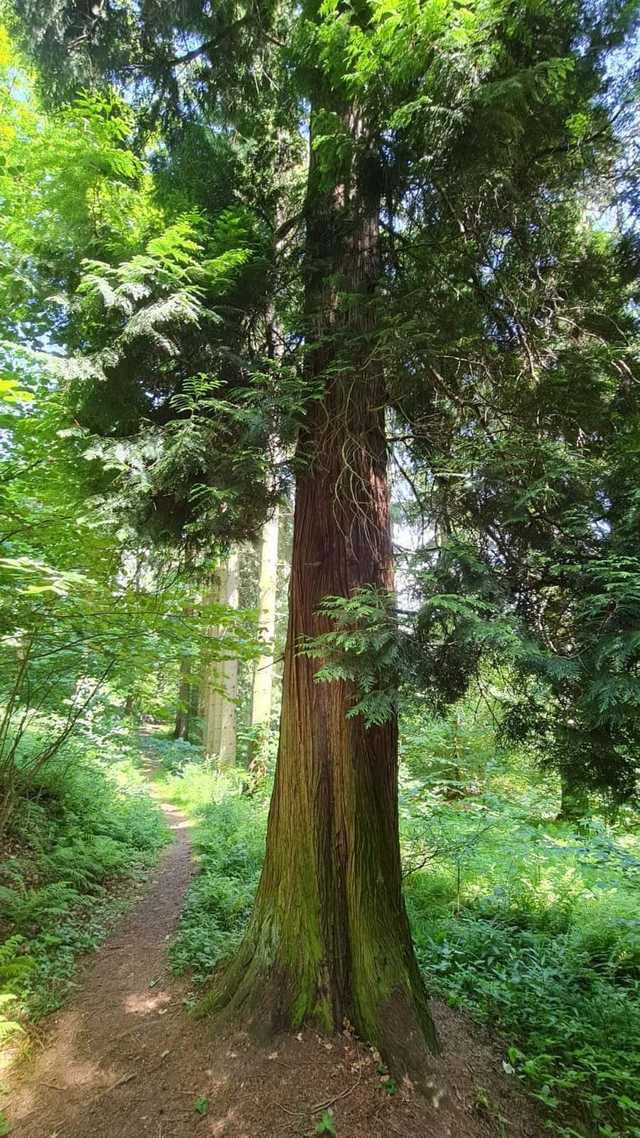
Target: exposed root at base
264,1003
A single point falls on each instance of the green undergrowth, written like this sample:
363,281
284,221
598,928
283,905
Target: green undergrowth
530,926
229,845
535,931
84,831
228,841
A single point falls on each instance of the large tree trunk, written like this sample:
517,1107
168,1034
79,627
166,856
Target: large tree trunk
329,939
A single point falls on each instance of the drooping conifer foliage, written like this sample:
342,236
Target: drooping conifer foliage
372,232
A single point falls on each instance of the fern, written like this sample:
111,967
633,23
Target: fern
35,908
8,1027
15,964
364,649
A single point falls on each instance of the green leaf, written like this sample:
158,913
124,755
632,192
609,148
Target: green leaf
326,1125
201,1104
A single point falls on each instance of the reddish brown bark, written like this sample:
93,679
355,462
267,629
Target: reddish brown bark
329,939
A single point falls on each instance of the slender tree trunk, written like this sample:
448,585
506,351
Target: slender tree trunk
329,939
211,695
221,682
194,706
263,672
183,712
574,800
130,702
229,671
212,714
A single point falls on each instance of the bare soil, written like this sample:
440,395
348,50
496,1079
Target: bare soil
125,1059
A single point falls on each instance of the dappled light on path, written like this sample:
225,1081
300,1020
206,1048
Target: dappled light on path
125,1060
115,1061
142,1003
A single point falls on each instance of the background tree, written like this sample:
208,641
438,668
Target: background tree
85,606
261,696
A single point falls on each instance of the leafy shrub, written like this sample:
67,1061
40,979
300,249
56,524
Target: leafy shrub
229,844
80,825
574,1030
172,755
532,927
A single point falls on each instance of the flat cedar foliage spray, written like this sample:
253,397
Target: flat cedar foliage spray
396,194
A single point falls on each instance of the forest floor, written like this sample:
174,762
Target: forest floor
125,1059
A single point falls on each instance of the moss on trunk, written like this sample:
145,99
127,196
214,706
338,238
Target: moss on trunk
329,940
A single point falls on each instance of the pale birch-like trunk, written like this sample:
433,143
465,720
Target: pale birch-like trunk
211,698
263,672
221,685
229,670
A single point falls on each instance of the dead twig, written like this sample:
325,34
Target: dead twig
330,1102
319,1105
293,1113
130,1031
118,1083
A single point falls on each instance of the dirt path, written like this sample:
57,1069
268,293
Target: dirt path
125,1060
113,1050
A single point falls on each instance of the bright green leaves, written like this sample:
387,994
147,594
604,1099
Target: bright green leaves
390,43
157,323
155,291
137,301
169,262
334,144
418,74
607,619
34,577
327,1124
364,648
6,51
405,58
201,1105
536,83
579,126
12,392
67,181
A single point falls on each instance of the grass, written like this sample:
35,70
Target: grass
84,828
530,926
